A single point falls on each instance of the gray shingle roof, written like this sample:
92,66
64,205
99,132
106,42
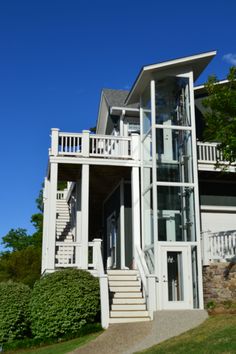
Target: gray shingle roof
116,98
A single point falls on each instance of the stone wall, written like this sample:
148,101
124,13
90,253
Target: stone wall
216,287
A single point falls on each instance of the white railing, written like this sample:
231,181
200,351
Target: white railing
69,144
208,153
61,195
219,246
94,145
110,146
67,254
148,281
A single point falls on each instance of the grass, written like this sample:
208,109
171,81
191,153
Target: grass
216,335
59,348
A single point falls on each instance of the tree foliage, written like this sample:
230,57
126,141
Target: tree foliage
220,116
21,262
62,302
14,311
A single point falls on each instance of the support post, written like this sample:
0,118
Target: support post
85,143
78,225
151,284
135,146
135,211
104,298
122,225
54,141
84,215
52,217
45,224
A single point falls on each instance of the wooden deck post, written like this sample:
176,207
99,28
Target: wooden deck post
51,244
84,215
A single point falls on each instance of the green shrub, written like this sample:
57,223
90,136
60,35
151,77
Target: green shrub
14,311
62,302
211,305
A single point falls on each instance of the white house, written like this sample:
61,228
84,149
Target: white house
143,207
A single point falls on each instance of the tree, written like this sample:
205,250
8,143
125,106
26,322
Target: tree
220,116
21,262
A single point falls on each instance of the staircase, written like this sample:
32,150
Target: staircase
64,254
127,303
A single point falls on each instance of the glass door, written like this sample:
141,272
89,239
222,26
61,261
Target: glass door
175,278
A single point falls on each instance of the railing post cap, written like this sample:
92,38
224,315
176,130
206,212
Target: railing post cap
86,131
134,134
55,129
97,240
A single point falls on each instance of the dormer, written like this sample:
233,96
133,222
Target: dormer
116,118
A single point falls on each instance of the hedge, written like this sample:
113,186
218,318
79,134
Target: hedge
62,302
14,311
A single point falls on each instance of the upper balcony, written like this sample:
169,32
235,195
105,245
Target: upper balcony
208,155
94,146
119,149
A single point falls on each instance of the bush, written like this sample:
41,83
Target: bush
14,311
62,302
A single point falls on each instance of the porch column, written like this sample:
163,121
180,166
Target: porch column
84,215
78,225
51,244
122,225
135,210
45,225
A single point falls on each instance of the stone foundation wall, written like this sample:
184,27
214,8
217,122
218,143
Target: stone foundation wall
216,287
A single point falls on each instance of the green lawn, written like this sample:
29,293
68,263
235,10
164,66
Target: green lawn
216,335
59,348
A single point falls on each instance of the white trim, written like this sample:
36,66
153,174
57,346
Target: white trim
175,184
154,173
200,87
221,208
196,196
173,127
95,161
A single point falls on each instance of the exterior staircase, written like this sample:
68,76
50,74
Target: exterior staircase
127,303
64,254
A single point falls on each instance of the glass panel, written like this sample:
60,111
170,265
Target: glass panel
174,155
175,213
146,105
195,276
175,276
172,101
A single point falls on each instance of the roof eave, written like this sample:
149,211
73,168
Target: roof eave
198,63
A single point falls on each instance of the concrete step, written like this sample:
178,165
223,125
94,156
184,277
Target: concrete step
126,301
124,283
128,314
122,272
124,289
124,295
129,320
128,307
122,277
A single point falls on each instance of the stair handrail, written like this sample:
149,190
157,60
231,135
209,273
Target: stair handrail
148,281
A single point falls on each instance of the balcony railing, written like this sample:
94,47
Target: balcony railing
208,153
94,145
116,147
218,246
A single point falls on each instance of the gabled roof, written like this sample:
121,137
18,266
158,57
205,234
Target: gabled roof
116,98
197,63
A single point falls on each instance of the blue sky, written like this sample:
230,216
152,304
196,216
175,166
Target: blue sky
57,55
